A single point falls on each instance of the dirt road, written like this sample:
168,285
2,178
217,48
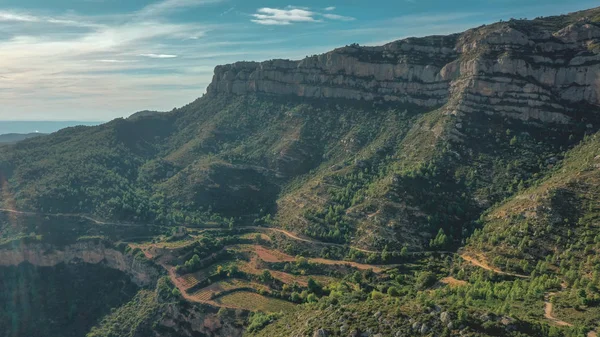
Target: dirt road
548,306
76,215
482,264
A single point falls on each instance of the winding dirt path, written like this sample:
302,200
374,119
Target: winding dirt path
74,215
330,244
484,265
289,234
548,306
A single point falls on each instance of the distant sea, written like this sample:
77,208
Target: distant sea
39,126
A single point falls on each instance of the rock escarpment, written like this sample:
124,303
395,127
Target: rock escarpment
46,255
542,70
407,71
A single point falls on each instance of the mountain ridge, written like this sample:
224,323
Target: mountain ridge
531,70
324,162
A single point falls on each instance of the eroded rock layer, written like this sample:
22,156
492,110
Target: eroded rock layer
541,70
46,255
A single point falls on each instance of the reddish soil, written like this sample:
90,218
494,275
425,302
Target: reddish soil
480,262
452,282
268,255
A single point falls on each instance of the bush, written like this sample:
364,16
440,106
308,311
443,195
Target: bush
393,291
259,320
376,295
425,280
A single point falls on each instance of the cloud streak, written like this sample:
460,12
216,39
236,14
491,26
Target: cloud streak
274,16
17,17
159,56
338,17
170,6
292,15
115,61
10,16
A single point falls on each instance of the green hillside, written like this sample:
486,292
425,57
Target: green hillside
321,198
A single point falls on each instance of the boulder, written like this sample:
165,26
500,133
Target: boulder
320,333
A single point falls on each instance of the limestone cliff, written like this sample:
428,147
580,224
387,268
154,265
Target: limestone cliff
542,70
46,255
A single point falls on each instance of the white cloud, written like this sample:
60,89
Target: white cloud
114,61
10,16
124,62
290,15
338,17
274,16
167,6
16,17
159,56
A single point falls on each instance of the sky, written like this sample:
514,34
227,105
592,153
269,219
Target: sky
95,60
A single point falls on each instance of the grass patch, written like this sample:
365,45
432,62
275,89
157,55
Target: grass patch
255,302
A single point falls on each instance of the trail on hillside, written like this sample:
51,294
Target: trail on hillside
330,244
548,307
272,229
75,215
313,241
484,265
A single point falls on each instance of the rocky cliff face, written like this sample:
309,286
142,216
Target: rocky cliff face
540,70
45,255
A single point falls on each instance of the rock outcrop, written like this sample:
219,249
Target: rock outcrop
92,252
541,70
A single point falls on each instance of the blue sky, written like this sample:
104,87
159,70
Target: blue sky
101,59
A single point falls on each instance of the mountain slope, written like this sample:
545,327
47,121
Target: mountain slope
555,220
374,146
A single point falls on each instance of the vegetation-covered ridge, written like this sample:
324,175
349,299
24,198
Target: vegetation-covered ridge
437,186
374,173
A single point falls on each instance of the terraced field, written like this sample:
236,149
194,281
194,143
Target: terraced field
205,294
164,244
191,280
247,258
252,268
268,255
252,236
255,302
273,256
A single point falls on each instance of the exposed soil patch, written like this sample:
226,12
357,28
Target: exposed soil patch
268,255
452,282
480,262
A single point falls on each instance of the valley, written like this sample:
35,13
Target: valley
250,272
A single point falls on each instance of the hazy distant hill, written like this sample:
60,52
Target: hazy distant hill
25,127
16,137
